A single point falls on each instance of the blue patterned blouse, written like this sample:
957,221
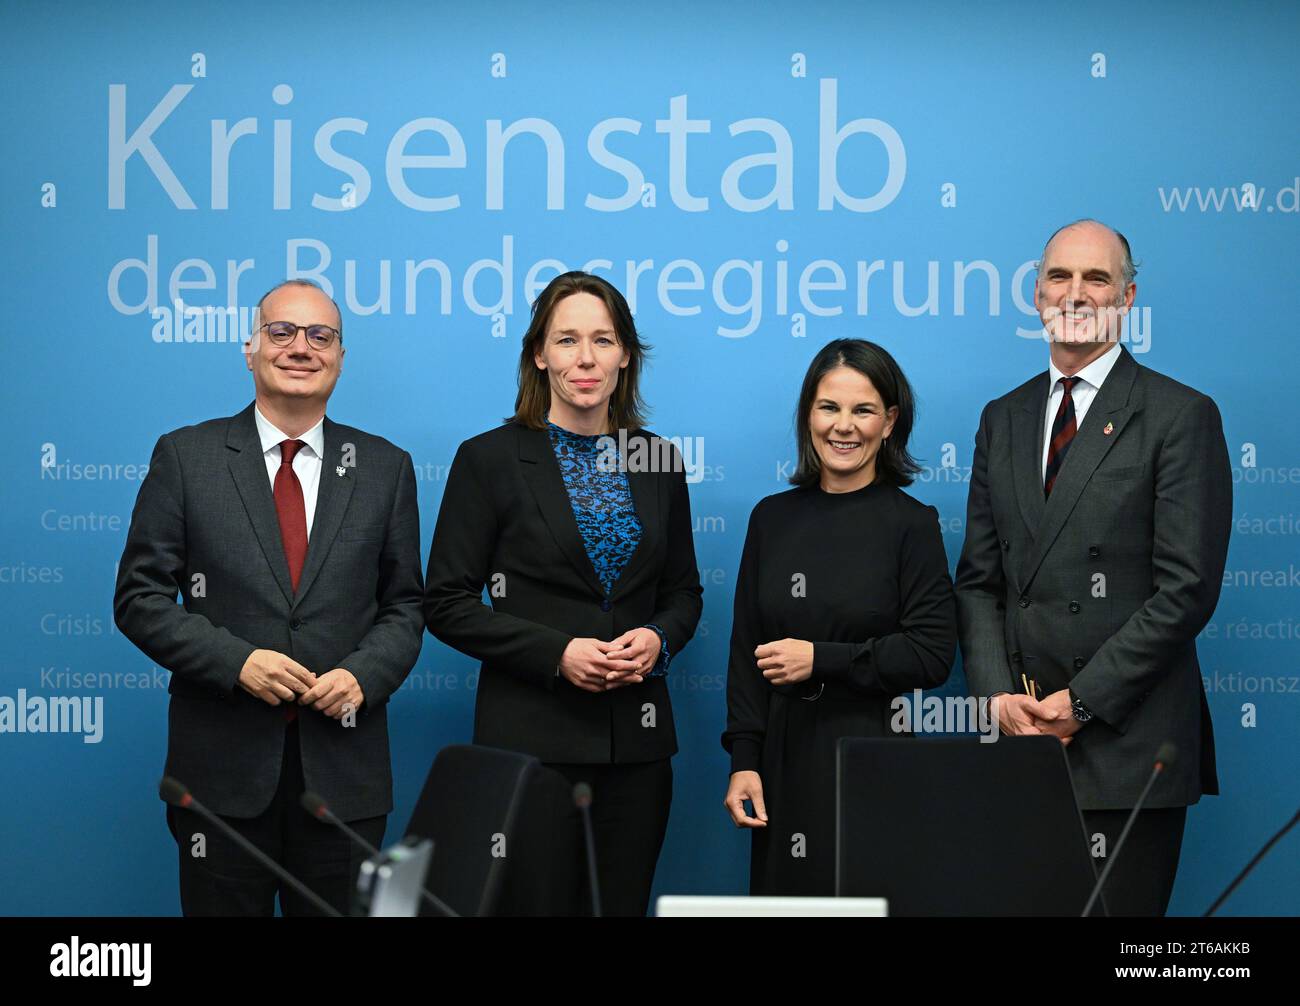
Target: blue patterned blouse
601,498
601,501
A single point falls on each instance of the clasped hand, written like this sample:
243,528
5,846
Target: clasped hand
598,666
1020,715
275,678
785,661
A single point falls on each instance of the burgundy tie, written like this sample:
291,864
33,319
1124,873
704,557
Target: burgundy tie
1063,431
292,514
291,511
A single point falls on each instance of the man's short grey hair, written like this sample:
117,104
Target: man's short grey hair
302,282
1128,268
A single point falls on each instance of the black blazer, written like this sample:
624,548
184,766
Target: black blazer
1103,587
506,522
206,507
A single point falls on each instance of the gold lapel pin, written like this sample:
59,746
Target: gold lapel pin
1108,429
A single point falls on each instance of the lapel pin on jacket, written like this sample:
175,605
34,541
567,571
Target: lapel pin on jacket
339,470
1108,429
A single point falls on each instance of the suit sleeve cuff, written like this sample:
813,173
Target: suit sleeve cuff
1081,686
240,651
746,755
832,660
552,657
661,664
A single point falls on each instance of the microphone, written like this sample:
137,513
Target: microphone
176,794
315,805
582,800
1251,865
1166,755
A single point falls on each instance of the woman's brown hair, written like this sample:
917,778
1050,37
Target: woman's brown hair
627,409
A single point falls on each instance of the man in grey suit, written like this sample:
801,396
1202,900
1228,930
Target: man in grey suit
293,543
1097,532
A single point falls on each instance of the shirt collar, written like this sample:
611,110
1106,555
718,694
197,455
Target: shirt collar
1093,374
272,437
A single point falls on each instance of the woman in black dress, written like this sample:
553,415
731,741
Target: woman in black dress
843,601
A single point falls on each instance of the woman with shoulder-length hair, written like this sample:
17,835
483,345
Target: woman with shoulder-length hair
591,565
843,601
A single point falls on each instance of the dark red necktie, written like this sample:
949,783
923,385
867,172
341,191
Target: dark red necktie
292,514
291,511
1063,430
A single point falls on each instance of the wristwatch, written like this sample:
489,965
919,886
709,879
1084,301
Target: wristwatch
1081,712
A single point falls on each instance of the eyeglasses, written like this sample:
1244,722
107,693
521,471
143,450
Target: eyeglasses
282,333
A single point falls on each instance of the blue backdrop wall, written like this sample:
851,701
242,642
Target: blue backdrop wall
758,179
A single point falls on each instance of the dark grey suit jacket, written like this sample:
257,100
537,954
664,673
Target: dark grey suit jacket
205,527
1104,587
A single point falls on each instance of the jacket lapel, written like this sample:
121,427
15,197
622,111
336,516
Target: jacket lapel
1111,409
332,497
644,482
1027,454
542,474
248,469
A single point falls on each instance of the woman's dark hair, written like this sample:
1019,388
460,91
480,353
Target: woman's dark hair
627,409
893,464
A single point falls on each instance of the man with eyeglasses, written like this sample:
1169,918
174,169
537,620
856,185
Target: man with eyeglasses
293,543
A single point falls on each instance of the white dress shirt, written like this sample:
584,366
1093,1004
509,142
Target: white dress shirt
306,463
1083,393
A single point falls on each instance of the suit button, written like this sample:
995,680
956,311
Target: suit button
1015,656
1093,551
1024,601
295,623
1074,607
1078,663
605,605
1005,544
